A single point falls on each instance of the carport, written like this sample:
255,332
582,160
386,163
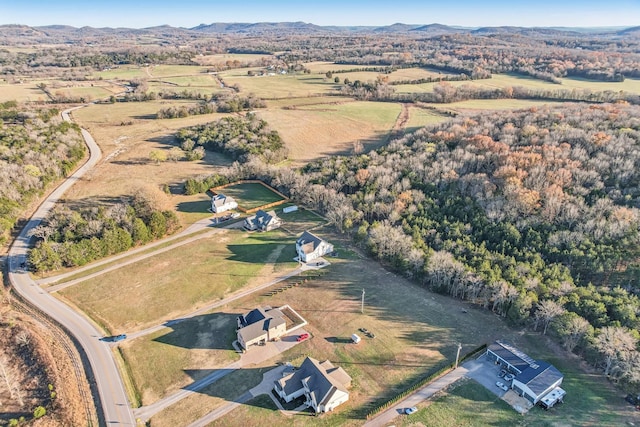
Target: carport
508,356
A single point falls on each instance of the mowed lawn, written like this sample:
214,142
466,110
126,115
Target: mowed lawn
316,131
415,333
251,195
171,284
590,400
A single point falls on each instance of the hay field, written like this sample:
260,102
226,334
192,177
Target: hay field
126,134
306,101
419,117
175,70
123,72
316,131
24,92
280,86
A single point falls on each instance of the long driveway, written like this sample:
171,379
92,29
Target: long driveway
113,397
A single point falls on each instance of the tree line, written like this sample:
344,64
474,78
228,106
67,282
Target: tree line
36,148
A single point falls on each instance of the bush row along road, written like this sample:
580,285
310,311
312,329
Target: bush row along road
113,398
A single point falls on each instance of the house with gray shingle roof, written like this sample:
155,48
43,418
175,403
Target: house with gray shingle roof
259,326
309,247
323,385
263,221
222,203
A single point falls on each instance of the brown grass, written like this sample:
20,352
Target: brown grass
322,130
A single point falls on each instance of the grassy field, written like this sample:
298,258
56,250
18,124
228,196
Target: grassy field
316,131
419,117
251,195
223,58
279,86
590,400
21,92
299,221
126,134
307,101
416,332
175,70
171,284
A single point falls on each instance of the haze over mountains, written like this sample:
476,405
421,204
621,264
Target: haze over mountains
64,33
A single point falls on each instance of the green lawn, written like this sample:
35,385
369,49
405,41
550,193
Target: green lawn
171,284
251,195
419,117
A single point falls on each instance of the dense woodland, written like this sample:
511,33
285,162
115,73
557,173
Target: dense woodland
531,214
36,148
240,137
74,237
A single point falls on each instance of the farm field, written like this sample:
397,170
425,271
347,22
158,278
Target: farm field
306,101
251,195
126,134
513,80
171,284
279,86
23,92
419,117
123,72
175,70
315,131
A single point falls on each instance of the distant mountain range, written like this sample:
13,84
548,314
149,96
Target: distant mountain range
58,32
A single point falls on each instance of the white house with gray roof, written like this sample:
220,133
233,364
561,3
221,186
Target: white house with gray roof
222,203
263,221
323,385
309,247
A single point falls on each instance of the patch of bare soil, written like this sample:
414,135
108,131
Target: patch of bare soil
35,371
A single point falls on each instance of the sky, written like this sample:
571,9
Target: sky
190,13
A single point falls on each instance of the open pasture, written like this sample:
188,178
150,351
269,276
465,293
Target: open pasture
126,134
316,131
279,86
171,284
224,58
122,72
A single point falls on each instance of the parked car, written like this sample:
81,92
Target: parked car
302,337
411,410
502,386
509,377
502,373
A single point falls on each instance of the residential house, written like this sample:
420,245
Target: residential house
536,381
222,203
263,221
323,385
259,326
309,247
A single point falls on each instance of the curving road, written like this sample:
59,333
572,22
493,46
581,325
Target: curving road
113,397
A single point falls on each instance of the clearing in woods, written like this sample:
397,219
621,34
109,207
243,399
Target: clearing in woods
251,195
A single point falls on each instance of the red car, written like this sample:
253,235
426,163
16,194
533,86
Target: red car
302,337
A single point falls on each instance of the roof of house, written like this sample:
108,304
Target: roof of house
323,380
262,218
258,321
511,355
221,199
308,242
539,377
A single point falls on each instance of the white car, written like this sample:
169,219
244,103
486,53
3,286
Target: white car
411,410
509,377
502,386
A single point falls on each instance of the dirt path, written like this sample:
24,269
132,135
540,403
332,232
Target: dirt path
401,121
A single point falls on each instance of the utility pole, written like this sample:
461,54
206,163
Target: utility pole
458,354
362,305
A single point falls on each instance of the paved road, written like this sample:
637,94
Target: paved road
113,398
424,393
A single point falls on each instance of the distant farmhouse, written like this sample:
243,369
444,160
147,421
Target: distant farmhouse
263,221
536,381
323,385
309,247
259,326
221,203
